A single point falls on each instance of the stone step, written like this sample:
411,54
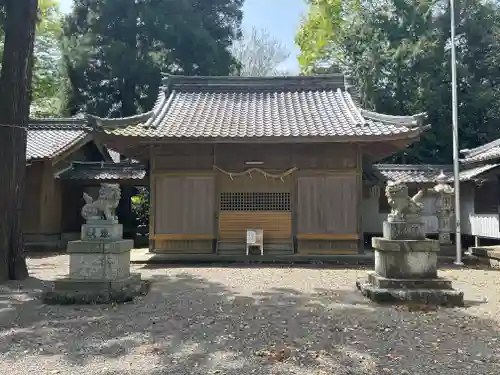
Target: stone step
485,251
489,255
383,282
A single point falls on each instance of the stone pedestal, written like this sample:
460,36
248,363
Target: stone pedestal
99,268
406,268
406,259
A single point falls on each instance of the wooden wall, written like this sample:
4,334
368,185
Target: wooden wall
32,198
183,212
325,193
202,157
43,200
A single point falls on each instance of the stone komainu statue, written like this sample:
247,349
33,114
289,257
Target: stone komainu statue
104,206
402,206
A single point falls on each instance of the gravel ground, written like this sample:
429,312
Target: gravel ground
247,320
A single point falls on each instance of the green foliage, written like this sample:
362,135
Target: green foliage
398,52
48,79
320,31
140,207
115,51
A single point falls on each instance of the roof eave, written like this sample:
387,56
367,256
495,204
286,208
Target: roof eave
77,166
480,149
486,160
410,135
406,167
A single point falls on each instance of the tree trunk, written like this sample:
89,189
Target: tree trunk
15,83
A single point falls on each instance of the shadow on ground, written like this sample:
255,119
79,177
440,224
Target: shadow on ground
189,325
256,265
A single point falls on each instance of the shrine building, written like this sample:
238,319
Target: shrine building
286,155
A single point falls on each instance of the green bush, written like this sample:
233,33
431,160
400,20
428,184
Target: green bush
140,206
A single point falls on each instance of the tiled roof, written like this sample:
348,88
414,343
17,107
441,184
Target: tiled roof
49,137
259,107
425,173
102,171
471,174
487,152
416,173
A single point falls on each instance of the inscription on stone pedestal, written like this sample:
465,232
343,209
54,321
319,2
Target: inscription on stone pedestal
403,231
102,232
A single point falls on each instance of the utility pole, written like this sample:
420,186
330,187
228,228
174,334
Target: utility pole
456,155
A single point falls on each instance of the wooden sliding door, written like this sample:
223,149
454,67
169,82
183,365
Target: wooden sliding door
327,214
184,213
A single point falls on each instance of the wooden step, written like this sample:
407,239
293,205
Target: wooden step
239,248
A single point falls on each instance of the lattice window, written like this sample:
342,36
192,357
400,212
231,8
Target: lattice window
255,201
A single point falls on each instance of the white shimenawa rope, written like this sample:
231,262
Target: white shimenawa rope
248,172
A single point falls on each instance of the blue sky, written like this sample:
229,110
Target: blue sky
280,18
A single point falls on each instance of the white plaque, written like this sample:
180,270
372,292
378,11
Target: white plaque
251,237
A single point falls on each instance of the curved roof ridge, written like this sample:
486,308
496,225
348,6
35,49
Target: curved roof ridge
353,108
160,111
119,122
349,110
411,121
237,83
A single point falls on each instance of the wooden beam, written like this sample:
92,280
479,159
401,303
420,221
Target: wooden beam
329,252
182,237
379,150
167,173
327,172
328,237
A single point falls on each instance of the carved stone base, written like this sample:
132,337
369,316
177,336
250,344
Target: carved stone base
403,230
99,260
99,266
406,259
387,283
425,291
102,230
70,291
100,247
